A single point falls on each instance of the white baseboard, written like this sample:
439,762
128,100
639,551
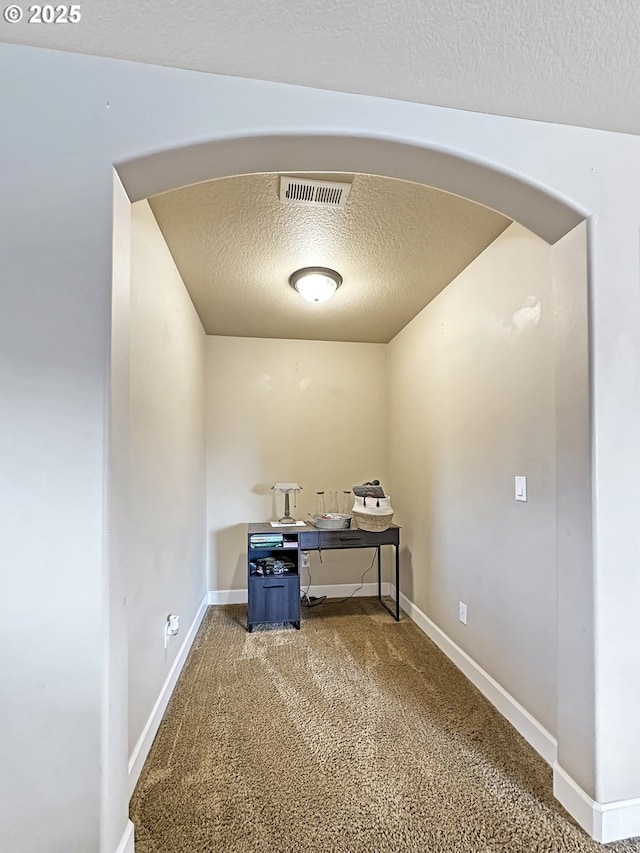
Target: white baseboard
338,590
142,747
227,596
531,730
342,590
127,842
605,822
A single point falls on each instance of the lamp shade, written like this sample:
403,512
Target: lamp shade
287,487
315,284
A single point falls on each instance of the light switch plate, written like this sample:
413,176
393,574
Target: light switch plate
521,489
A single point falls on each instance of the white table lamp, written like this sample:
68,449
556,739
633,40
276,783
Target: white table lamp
287,488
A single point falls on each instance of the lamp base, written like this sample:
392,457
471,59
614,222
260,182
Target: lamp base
286,518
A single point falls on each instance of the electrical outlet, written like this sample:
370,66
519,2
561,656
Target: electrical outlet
462,612
171,628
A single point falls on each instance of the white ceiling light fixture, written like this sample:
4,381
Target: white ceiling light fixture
315,284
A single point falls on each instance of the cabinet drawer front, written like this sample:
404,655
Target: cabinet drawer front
345,539
274,599
272,581
357,538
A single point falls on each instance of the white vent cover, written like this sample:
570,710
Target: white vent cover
317,193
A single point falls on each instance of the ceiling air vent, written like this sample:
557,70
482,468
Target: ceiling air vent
317,193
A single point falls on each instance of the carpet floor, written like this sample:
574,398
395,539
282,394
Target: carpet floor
353,734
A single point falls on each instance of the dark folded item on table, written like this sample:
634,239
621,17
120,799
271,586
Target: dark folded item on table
373,489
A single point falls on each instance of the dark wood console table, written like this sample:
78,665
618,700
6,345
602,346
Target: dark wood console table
275,596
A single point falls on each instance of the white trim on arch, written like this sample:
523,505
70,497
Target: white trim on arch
537,208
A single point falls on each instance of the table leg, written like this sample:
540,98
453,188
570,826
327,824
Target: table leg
397,583
395,615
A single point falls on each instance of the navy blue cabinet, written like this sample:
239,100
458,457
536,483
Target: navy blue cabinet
273,576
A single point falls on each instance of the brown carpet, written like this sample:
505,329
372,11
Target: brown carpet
353,734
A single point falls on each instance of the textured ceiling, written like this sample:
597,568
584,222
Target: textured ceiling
572,62
396,244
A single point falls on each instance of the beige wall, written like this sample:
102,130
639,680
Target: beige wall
471,383
310,411
166,572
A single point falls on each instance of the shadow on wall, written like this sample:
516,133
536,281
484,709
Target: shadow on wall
228,561
277,499
406,572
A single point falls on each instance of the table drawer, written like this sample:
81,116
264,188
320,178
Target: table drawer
356,538
308,540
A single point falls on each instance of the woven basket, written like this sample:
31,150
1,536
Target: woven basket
374,523
372,505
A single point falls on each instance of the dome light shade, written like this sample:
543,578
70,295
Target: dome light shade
315,284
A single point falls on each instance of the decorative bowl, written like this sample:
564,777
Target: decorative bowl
331,521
